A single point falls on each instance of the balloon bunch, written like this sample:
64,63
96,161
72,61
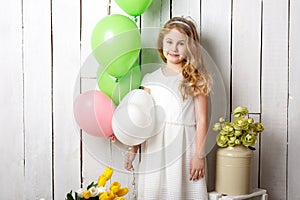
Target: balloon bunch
116,45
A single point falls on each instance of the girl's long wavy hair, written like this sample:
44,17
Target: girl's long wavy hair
196,79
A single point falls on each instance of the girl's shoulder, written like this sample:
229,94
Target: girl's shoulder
152,76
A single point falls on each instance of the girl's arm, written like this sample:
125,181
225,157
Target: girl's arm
201,111
131,154
198,161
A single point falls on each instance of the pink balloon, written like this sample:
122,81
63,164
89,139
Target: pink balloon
93,112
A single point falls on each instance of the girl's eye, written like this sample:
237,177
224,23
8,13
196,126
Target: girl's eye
169,42
181,43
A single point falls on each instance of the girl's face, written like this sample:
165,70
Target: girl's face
174,47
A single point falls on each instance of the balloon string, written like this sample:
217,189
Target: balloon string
119,91
111,155
134,193
130,86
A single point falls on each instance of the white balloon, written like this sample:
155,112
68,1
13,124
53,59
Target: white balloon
131,125
139,118
124,138
140,98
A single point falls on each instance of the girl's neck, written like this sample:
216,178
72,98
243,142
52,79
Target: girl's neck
175,67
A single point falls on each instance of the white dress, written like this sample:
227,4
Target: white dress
165,157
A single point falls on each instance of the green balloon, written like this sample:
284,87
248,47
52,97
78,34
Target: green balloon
116,43
134,7
117,88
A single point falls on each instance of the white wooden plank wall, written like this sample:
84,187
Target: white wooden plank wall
246,34
66,66
11,102
37,99
246,65
46,61
294,105
216,18
92,12
274,98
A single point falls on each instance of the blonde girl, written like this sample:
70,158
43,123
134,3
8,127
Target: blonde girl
173,161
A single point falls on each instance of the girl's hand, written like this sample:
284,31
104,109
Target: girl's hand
130,156
197,168
146,89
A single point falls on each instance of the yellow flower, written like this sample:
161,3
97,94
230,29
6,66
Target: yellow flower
120,198
107,196
114,187
237,141
86,194
222,140
105,176
248,139
122,192
238,133
240,111
101,181
259,127
231,141
217,126
221,119
250,120
108,173
240,123
227,127
242,130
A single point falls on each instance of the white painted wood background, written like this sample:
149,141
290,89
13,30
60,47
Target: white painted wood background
45,44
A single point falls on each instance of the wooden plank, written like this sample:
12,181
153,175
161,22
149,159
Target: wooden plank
246,42
66,65
274,98
256,164
11,101
188,9
216,19
92,12
94,149
153,17
165,12
151,23
294,106
37,99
